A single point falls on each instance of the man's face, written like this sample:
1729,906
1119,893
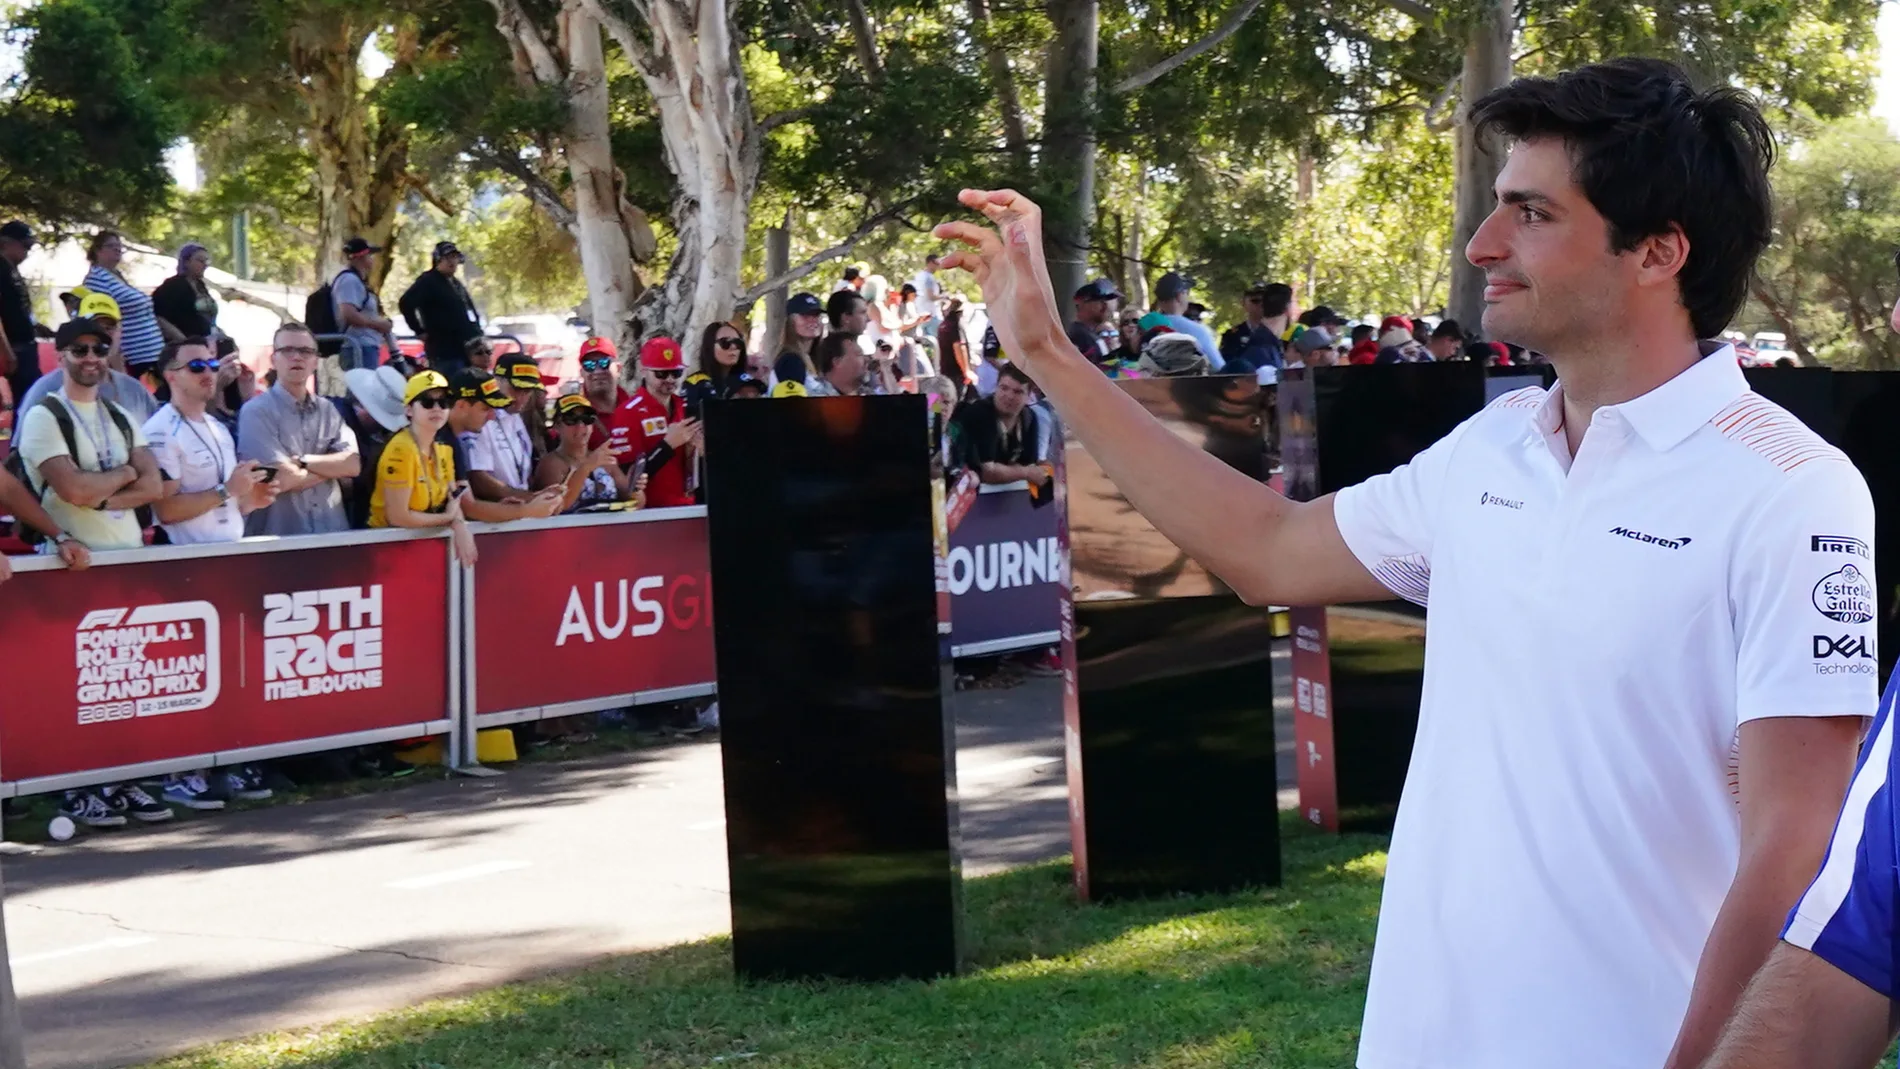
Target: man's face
469,417
1095,312
482,358
848,369
198,386
663,384
1443,348
853,321
1550,276
450,263
1255,306
517,397
294,356
364,263
14,250
1011,396
196,265
597,374
85,359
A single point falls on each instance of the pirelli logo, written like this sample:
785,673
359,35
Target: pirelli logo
1838,544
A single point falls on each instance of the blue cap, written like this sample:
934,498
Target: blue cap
804,304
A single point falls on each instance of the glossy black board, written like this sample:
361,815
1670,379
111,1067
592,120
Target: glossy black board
839,756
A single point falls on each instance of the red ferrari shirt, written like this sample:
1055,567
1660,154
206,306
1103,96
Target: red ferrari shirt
605,422
639,427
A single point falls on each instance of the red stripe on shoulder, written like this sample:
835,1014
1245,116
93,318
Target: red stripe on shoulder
1771,432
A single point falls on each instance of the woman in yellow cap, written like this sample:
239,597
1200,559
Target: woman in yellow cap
416,484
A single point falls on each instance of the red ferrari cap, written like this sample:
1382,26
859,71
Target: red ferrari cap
661,354
599,345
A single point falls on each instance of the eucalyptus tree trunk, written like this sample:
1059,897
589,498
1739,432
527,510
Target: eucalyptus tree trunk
1068,143
1477,159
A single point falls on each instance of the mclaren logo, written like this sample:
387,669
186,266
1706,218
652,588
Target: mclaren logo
1638,536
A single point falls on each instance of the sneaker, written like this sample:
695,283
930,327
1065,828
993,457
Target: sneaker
88,809
246,783
1049,664
130,800
191,791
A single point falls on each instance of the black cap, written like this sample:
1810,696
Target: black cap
18,231
1171,285
852,274
358,246
474,384
74,329
744,381
1099,290
1322,316
804,304
992,345
443,250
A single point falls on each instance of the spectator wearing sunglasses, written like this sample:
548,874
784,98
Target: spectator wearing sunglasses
208,492
721,356
480,400
415,479
653,426
479,354
118,387
600,384
583,474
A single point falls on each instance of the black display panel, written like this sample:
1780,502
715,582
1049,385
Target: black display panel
838,751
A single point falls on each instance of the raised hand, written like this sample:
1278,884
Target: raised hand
1009,267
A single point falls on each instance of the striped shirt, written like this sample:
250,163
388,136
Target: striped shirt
139,337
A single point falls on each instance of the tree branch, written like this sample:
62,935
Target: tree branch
1002,83
1220,33
810,263
1433,121
537,188
786,118
866,41
421,186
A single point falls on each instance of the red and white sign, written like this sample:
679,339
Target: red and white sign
565,614
1313,718
158,660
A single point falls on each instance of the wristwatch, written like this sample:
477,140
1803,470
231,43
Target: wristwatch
223,494
62,538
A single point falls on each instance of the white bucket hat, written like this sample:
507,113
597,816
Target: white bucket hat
380,393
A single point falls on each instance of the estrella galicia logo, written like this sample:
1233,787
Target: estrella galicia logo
1849,646
1838,544
1488,498
1638,536
1846,595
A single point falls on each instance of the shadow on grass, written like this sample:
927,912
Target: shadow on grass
1271,977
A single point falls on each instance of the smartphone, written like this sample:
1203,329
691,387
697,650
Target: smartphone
639,468
266,472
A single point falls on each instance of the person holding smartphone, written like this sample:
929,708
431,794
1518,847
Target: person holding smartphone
208,491
653,426
415,479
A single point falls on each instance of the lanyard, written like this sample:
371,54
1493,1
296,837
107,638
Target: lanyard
217,455
102,442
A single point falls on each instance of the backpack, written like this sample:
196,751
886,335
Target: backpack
319,314
16,464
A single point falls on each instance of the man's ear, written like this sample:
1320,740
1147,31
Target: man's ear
1664,255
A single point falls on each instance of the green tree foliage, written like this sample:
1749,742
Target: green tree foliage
87,121
1828,281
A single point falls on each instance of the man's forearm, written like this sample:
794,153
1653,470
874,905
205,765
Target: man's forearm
92,489
1802,1013
179,508
25,507
1746,930
340,465
489,488
1223,519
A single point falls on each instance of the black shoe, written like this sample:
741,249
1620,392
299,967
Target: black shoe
130,800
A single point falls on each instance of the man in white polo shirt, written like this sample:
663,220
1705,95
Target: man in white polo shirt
1599,836
207,491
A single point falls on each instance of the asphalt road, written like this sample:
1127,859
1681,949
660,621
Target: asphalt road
131,946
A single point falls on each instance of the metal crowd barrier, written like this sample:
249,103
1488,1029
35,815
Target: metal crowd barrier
175,658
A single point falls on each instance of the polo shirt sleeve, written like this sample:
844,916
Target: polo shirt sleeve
478,449
165,449
1390,521
400,464
1802,598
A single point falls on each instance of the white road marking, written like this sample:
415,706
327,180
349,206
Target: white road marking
472,872
85,948
1000,768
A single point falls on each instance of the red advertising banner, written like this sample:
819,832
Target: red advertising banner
1313,719
580,610
184,655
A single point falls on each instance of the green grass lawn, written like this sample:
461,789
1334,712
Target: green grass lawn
1274,977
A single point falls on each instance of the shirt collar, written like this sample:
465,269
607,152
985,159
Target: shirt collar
1667,415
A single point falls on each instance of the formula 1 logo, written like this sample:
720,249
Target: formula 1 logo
148,661
1846,595
323,642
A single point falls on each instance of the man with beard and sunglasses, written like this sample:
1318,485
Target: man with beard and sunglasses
600,384
652,426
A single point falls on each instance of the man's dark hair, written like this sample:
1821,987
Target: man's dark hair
852,274
170,352
1652,152
830,348
1362,332
1014,374
838,305
1274,299
1449,328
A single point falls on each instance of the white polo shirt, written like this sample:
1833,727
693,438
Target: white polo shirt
200,455
1597,631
